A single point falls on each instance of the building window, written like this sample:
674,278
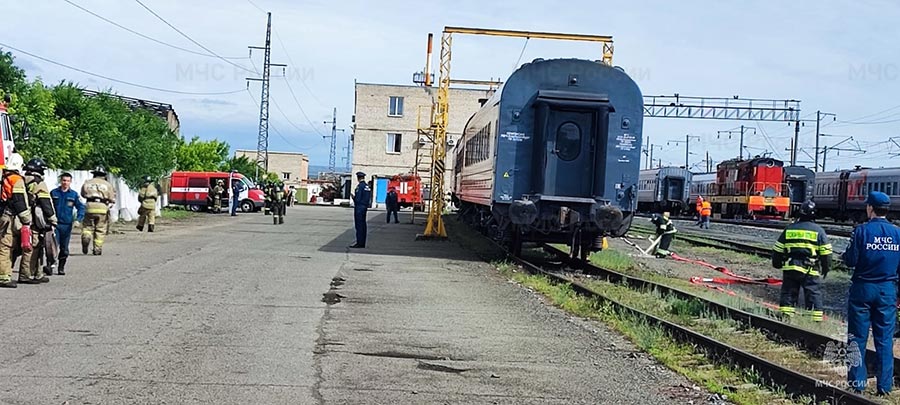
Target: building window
393,143
286,175
395,106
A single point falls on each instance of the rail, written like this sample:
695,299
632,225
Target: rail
770,373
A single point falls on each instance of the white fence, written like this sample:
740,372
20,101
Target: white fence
127,204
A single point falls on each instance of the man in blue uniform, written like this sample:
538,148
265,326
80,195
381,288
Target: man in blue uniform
66,202
803,253
361,200
874,255
236,187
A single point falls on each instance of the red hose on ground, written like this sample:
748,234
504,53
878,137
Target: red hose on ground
735,278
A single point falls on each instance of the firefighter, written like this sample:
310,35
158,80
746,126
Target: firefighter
216,195
267,191
803,253
361,200
100,196
665,231
147,196
276,198
874,255
15,220
392,204
705,213
43,217
65,201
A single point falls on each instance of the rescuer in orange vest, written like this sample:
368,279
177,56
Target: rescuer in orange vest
699,207
705,213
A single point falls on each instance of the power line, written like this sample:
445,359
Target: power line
520,55
147,36
283,138
303,82
257,7
294,96
191,39
2,45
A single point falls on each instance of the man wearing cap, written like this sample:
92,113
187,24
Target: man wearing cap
361,200
874,255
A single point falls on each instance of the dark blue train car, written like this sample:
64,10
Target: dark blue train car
664,189
553,156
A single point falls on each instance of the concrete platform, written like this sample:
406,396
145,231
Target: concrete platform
238,311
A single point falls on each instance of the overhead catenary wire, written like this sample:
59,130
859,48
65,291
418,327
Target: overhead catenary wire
221,93
147,36
189,38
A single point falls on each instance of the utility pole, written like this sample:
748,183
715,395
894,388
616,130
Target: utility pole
835,147
687,148
262,144
649,151
819,115
795,143
333,136
732,132
347,158
708,162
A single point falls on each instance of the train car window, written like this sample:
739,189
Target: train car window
888,189
568,141
869,187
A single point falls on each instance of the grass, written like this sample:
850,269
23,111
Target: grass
175,213
613,260
737,385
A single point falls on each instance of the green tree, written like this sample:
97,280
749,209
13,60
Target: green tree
12,77
201,156
50,134
243,164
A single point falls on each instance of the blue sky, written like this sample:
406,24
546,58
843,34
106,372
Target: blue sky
838,57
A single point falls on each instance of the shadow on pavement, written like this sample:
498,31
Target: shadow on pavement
397,239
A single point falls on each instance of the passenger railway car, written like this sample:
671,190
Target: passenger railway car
664,189
751,188
702,185
841,195
553,156
800,182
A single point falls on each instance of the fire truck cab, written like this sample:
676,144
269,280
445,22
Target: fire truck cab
5,134
191,189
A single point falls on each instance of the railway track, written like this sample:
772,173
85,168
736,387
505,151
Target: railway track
770,373
832,228
717,243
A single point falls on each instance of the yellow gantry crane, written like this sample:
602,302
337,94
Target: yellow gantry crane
434,228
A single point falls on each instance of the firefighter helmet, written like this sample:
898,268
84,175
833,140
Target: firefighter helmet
36,165
99,171
807,209
15,162
148,179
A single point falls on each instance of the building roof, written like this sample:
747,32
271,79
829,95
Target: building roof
161,109
272,152
414,86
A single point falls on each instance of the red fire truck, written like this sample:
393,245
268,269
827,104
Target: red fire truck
5,133
409,190
191,189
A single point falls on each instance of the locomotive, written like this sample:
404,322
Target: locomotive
841,195
553,156
752,188
664,189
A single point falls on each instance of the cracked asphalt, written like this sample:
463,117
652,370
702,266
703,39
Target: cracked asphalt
237,311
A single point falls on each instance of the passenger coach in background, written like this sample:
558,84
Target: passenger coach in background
841,195
664,189
553,156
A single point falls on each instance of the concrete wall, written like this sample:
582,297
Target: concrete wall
370,153
297,164
127,204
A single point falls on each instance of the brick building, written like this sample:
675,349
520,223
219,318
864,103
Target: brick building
291,167
385,137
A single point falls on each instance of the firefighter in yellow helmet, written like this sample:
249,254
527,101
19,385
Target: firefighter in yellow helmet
100,196
15,220
147,196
